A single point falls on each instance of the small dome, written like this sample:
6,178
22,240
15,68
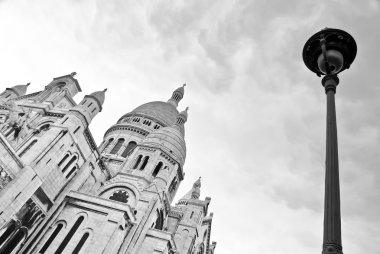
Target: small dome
20,90
99,96
170,140
181,89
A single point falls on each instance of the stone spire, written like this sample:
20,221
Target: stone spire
177,96
195,192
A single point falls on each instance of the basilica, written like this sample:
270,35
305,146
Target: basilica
60,192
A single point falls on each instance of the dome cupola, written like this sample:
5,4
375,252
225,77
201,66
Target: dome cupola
182,117
177,96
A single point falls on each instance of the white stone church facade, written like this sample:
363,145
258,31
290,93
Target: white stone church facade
61,193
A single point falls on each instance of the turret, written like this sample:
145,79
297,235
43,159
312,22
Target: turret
14,92
91,105
177,96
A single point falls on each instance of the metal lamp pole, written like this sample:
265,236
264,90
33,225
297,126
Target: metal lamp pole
328,53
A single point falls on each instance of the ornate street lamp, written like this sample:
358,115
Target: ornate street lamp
328,53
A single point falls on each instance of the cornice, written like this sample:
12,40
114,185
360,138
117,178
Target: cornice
127,127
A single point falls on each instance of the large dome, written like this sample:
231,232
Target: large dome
162,111
170,140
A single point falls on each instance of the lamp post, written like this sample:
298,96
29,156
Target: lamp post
328,53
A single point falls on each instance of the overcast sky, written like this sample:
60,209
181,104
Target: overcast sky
256,126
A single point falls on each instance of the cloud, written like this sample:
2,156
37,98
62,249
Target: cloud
256,130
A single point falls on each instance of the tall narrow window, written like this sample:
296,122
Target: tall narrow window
71,172
81,243
117,147
69,163
89,105
28,147
77,129
109,143
159,221
137,161
7,233
51,238
69,235
173,185
157,169
144,162
15,241
63,160
129,147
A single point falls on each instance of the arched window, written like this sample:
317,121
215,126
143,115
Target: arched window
15,241
44,127
144,162
63,160
73,159
8,232
71,172
28,147
137,161
81,243
157,169
159,224
120,196
109,143
173,185
51,238
201,249
69,235
129,147
117,147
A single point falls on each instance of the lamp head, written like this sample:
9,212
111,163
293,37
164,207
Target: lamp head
329,51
